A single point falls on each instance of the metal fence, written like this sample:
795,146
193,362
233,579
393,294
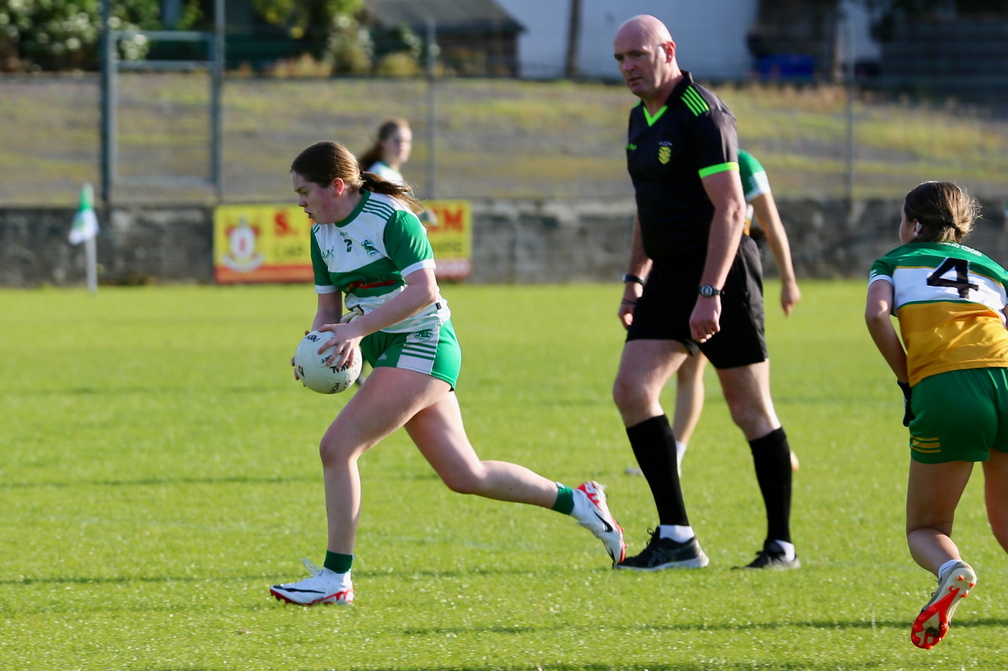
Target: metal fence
473,138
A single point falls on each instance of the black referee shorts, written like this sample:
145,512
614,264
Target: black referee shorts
663,311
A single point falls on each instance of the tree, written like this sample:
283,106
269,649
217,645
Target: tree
328,29
57,35
573,36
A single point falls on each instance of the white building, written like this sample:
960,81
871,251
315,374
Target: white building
710,35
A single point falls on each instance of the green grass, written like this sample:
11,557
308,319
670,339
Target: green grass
161,471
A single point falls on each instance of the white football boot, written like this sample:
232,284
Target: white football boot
595,517
324,586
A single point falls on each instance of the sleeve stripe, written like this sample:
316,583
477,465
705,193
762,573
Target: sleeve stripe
695,101
720,167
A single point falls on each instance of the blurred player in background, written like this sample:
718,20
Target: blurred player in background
949,301
763,211
390,150
694,282
385,157
370,251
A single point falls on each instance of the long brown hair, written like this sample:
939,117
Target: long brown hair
944,211
323,162
375,152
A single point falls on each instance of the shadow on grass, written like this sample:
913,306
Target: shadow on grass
683,665
678,627
141,390
147,482
125,580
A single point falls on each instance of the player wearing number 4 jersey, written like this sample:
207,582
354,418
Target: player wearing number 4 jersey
370,251
952,364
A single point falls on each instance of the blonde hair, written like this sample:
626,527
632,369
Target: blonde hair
944,211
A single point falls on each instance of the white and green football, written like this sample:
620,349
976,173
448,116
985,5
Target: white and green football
315,373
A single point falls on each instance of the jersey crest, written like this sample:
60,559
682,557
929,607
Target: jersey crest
664,152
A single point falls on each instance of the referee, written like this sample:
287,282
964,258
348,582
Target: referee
693,283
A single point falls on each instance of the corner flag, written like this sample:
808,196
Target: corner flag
85,223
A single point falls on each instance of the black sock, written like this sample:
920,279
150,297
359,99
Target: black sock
772,459
655,449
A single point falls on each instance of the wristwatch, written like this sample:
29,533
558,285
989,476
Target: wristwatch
627,277
707,291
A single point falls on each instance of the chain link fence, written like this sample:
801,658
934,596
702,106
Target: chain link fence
474,138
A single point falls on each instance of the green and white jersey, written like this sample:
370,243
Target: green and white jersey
950,302
367,255
754,183
754,178
387,172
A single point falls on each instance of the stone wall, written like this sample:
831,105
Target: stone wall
513,242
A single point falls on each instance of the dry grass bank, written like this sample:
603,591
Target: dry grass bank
486,138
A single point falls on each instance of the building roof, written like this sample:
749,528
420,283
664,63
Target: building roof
452,16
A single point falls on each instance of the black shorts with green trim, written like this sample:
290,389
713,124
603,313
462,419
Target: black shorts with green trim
663,310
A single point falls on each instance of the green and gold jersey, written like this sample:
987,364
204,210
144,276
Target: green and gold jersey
950,302
367,255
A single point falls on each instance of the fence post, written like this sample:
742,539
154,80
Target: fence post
432,50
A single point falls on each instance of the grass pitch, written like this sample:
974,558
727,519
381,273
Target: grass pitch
160,471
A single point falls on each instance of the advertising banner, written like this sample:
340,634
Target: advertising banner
271,243
449,229
261,243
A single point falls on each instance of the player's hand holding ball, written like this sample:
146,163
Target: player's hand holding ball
314,369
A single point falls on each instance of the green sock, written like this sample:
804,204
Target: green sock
338,563
565,500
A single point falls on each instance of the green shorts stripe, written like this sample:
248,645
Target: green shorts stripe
433,351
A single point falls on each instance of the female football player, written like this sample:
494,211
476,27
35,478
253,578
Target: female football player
390,150
952,365
370,251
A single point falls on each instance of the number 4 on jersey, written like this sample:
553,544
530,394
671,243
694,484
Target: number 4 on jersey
961,281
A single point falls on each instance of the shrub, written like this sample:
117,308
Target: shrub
56,35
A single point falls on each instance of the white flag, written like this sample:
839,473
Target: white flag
85,223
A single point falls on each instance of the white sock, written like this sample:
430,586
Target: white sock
676,532
946,566
789,551
680,452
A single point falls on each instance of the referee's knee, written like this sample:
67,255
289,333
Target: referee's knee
627,394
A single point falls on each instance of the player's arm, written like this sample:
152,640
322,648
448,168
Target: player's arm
878,309
724,188
330,307
639,266
421,290
765,211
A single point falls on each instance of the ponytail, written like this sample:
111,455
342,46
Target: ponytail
376,184
323,162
